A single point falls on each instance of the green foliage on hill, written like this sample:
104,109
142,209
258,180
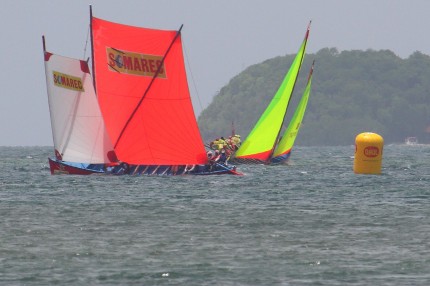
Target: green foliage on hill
352,92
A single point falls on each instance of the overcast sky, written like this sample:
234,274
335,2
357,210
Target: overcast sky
221,39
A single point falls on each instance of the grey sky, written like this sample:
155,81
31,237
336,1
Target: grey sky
221,38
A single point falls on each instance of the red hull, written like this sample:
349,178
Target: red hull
58,168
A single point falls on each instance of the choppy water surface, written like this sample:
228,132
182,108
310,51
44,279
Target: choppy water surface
312,223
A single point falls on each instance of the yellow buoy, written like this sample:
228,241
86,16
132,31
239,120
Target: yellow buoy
368,153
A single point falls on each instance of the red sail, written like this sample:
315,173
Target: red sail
161,128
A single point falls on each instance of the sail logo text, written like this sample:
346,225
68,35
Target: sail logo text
135,63
67,81
371,151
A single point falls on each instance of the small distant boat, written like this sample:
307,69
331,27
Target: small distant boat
411,141
134,115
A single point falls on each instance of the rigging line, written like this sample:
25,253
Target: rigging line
160,66
116,60
112,67
121,52
49,102
86,42
192,77
92,50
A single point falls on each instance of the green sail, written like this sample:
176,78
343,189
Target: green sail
290,134
261,140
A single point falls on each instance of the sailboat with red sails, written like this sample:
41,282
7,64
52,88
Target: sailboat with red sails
138,103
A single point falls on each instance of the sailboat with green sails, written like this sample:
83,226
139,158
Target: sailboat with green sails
283,148
263,144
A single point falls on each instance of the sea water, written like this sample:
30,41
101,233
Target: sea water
313,222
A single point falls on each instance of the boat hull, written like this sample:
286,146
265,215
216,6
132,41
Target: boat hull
282,159
61,167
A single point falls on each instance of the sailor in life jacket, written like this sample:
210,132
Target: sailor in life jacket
214,144
236,141
217,144
223,143
230,144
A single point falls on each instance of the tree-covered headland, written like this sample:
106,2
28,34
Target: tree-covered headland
352,92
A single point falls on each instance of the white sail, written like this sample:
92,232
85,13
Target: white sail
77,124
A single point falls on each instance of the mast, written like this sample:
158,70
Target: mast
92,49
149,86
44,45
45,57
312,70
295,80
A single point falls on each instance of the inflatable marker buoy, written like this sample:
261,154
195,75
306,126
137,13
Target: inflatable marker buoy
368,153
